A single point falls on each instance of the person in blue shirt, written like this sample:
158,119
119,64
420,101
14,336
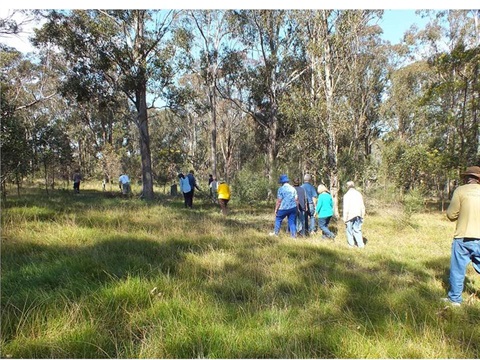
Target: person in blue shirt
286,205
324,211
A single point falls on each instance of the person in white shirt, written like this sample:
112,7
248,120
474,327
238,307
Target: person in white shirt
353,214
124,184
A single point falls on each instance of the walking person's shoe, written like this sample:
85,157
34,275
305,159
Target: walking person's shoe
450,302
272,233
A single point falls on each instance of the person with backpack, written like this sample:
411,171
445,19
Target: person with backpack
186,190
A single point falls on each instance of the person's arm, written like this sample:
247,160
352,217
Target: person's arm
195,183
454,208
277,205
318,206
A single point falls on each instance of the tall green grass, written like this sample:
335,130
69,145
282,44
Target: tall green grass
100,276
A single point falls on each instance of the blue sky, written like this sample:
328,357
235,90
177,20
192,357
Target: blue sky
395,22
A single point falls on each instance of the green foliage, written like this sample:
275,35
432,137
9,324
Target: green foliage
249,186
413,203
15,150
411,166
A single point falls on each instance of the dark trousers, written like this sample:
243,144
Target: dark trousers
188,199
223,205
76,187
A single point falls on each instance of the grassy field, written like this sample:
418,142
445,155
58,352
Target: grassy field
95,275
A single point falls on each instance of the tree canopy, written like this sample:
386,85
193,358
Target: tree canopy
242,93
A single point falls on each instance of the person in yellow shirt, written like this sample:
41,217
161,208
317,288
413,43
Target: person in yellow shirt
465,210
223,195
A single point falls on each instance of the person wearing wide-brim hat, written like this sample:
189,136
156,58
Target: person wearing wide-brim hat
465,210
286,206
324,211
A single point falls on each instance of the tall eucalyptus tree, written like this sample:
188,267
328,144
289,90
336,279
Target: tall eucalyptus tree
337,49
129,50
212,39
269,36
451,103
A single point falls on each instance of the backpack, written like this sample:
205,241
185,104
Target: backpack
185,185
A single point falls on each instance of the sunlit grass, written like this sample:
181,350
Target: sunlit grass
96,276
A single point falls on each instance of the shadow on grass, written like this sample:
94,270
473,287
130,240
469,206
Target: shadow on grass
370,296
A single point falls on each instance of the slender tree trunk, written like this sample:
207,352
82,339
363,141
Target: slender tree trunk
213,129
46,175
475,106
272,146
332,149
142,122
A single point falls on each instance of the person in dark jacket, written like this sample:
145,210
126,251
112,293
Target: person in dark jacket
193,185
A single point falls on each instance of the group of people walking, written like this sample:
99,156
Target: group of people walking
219,191
303,206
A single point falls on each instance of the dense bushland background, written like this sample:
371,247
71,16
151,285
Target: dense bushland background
241,94
97,275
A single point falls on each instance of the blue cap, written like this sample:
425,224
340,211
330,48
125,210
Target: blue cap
283,179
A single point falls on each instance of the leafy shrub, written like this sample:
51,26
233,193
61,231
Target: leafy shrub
413,203
250,186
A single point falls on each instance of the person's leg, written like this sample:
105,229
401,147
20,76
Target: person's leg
323,225
474,248
226,206
459,260
222,206
185,199
312,221
357,231
292,222
301,222
306,224
349,232
278,220
190,199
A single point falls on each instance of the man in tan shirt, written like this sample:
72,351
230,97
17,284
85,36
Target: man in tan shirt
465,209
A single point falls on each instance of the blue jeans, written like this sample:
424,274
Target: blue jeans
301,222
463,251
310,219
281,214
354,232
323,225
